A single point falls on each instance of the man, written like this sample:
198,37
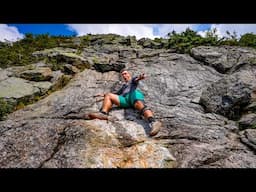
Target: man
128,97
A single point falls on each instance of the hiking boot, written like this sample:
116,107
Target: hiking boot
155,127
98,115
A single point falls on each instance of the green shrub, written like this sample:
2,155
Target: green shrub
5,108
184,41
20,52
20,105
248,39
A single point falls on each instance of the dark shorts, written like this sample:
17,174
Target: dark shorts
130,99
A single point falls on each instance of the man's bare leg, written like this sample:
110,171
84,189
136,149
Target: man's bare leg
148,114
109,100
139,105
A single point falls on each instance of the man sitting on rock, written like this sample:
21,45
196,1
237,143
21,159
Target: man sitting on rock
128,96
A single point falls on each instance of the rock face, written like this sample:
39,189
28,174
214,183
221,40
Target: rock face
231,94
224,59
21,85
40,74
192,99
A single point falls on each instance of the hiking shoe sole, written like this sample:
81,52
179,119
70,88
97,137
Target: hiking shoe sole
155,128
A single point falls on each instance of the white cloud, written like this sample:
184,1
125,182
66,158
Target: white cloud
203,33
9,33
221,29
164,29
240,29
139,30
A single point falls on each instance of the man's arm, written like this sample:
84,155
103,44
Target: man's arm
140,77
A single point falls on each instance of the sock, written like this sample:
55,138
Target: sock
105,113
151,119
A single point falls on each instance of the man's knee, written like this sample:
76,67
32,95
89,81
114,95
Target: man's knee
141,106
138,104
113,98
144,109
110,96
107,95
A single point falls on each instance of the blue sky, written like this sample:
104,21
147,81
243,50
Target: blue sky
14,32
53,29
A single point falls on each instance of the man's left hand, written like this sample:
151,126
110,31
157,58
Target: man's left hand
142,76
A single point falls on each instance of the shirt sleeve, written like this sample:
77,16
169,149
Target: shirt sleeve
133,80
